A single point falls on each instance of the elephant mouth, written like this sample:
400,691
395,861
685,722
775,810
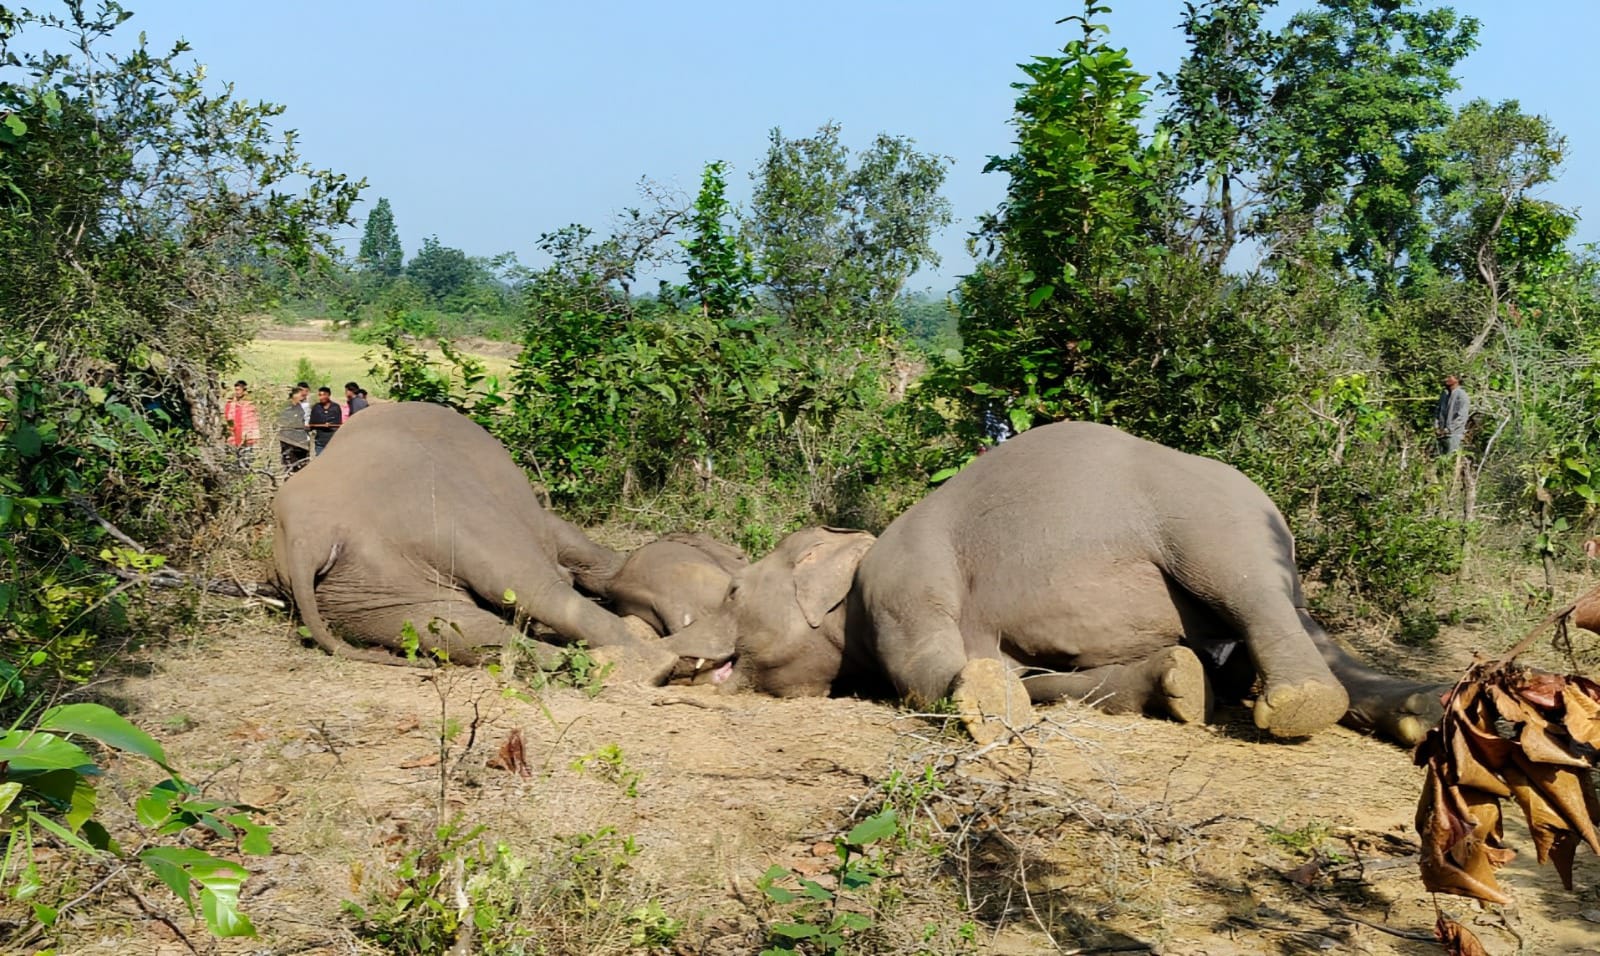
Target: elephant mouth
700,670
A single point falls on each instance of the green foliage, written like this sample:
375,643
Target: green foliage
808,917
609,764
380,242
722,274
441,272
576,668
128,265
48,789
571,895
1358,103
836,241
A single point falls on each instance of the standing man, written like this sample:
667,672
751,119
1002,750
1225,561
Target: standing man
355,397
294,442
244,428
1450,416
326,417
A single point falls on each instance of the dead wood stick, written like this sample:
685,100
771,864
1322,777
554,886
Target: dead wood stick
167,578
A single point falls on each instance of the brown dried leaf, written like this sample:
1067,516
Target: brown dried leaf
1563,793
1457,939
1305,874
1582,716
426,760
512,756
1513,708
1540,688
1442,829
1477,756
1590,688
1549,745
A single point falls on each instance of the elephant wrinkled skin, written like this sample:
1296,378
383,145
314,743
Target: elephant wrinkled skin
1097,565
414,514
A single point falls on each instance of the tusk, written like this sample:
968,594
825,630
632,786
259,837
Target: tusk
699,662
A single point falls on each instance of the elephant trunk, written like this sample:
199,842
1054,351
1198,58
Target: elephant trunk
591,565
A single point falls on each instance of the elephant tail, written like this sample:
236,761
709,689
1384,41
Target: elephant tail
300,555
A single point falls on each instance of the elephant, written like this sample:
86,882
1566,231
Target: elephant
673,581
1094,564
415,514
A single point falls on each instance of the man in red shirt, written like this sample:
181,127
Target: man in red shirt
244,428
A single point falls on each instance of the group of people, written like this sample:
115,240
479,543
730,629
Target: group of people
304,427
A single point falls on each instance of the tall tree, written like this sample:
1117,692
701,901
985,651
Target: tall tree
721,272
441,271
380,242
1490,228
1219,98
837,241
1359,97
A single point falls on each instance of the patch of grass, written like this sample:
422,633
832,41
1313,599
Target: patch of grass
275,364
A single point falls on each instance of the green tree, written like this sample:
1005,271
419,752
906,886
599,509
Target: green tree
837,241
1358,101
1490,228
441,271
140,208
1219,103
380,242
722,275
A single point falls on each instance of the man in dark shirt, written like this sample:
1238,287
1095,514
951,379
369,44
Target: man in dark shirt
326,417
355,397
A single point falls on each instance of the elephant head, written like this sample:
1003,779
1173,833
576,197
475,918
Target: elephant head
781,629
672,582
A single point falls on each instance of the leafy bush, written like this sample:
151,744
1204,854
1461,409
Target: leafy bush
47,788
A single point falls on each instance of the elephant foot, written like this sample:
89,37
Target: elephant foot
990,699
1182,690
1402,713
1299,710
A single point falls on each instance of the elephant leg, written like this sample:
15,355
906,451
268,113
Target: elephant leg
1300,695
1170,682
456,628
1392,707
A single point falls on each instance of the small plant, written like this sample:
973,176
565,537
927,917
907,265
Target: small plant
819,921
47,787
1309,841
577,669
574,897
608,763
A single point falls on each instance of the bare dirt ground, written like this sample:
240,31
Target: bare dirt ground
1108,835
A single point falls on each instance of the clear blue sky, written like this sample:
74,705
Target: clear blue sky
488,123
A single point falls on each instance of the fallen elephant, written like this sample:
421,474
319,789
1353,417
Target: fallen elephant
416,515
1094,564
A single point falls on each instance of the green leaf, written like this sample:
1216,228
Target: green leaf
62,833
795,930
155,807
105,725
1021,419
219,881
855,921
874,828
1039,295
942,475
8,793
26,751
510,597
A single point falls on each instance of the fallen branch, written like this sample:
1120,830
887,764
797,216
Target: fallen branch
83,504
262,591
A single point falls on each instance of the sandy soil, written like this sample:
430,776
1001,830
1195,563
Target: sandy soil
1118,835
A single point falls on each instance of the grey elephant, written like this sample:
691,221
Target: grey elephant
672,582
414,514
1094,564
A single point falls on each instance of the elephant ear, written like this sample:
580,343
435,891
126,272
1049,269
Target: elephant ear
824,572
